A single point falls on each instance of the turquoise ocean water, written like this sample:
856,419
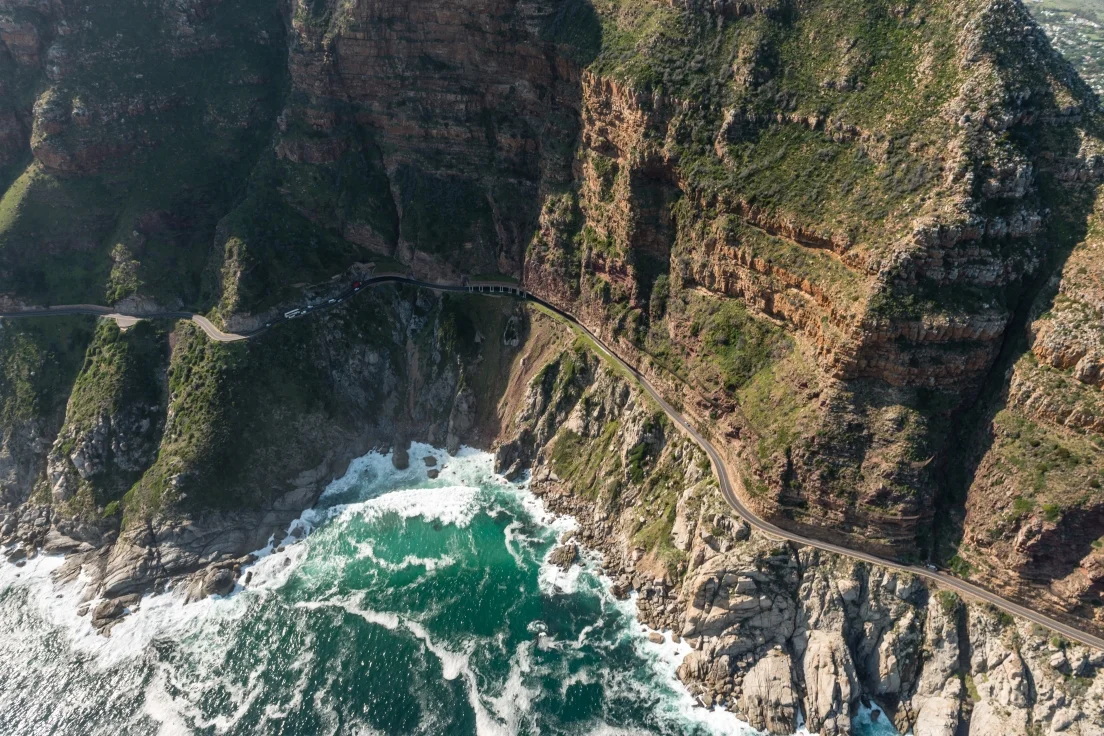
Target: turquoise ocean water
400,605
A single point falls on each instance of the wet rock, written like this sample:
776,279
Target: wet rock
429,461
565,555
215,580
400,456
108,612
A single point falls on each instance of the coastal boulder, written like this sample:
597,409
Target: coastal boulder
830,683
768,699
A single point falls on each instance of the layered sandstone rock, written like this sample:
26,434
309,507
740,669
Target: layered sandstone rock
825,271
1034,515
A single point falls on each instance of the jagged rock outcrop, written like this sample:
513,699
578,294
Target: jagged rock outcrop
410,373
830,682
820,227
779,631
768,698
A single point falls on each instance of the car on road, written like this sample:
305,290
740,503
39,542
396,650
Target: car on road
933,568
292,314
356,286
331,301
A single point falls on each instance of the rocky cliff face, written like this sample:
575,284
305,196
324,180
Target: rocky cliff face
890,246
1034,514
828,276
825,227
780,632
178,455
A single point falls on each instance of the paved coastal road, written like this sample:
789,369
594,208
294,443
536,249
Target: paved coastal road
728,490
128,320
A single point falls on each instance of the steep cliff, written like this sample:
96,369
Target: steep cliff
890,238
177,455
780,632
832,230
1034,514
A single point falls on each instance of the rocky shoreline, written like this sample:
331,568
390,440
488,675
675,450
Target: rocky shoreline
410,380
779,634
757,653
782,634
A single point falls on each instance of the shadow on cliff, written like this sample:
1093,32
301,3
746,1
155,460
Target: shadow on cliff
576,30
973,437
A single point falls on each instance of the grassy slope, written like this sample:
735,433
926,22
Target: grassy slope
245,417
39,362
612,469
872,71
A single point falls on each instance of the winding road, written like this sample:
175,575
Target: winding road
721,470
128,320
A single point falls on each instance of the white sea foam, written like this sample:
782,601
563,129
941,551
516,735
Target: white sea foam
354,606
370,489
164,709
367,551
56,605
510,539
552,579
880,727
447,505
302,665
604,729
515,701
580,677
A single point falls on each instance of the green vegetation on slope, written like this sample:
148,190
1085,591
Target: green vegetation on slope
49,259
635,459
39,361
241,415
725,345
883,70
120,369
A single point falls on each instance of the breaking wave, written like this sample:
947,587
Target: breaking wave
399,605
